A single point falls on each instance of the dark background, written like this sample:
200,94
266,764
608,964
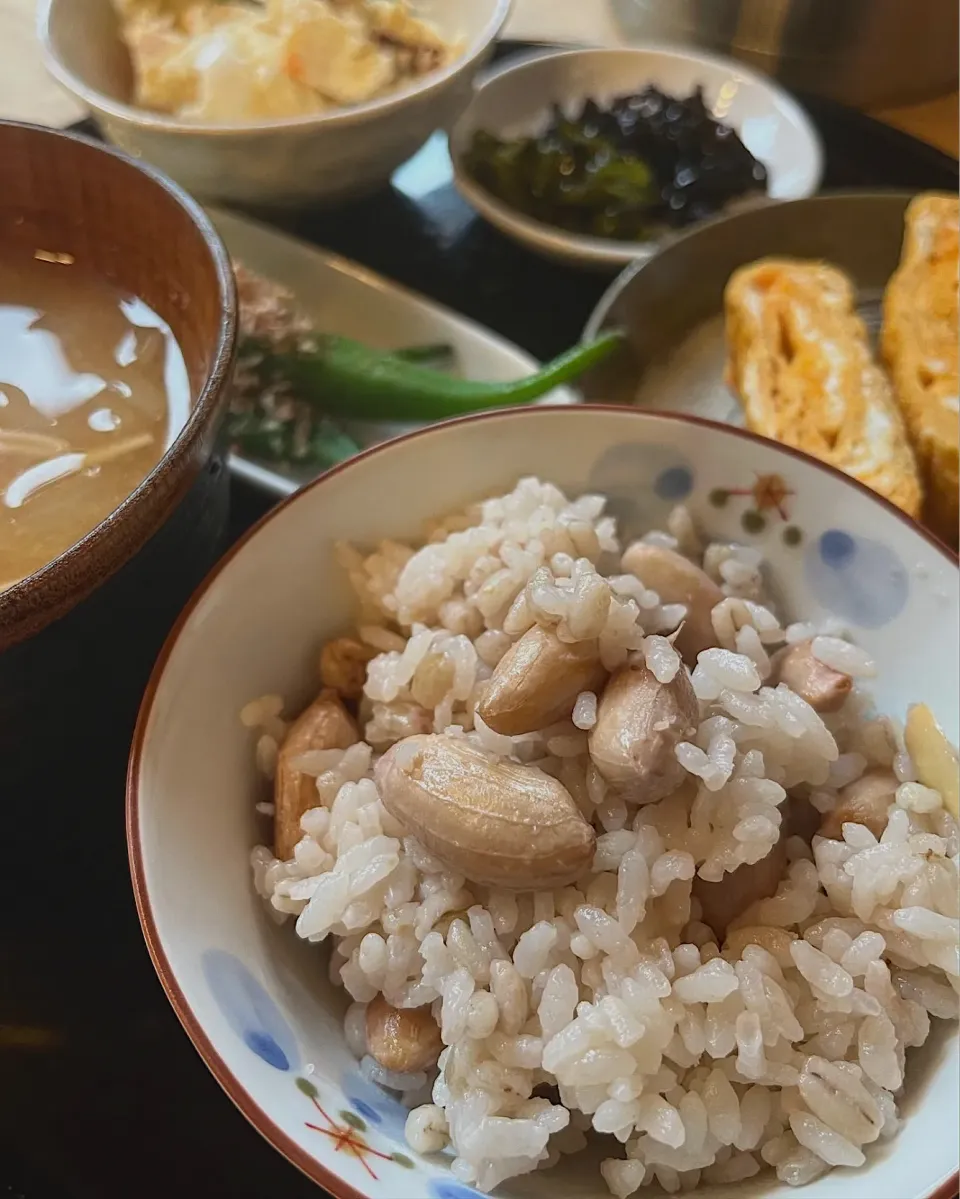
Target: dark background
101,1093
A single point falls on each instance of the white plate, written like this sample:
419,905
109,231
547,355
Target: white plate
345,298
516,99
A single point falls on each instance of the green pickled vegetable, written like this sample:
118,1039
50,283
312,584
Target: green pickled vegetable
345,378
620,169
572,177
271,439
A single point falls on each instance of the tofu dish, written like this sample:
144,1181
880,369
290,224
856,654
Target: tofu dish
232,62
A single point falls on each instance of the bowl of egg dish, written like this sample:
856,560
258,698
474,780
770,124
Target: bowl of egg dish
275,104
117,328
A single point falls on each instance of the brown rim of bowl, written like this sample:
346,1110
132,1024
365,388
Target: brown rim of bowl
215,1063
160,122
19,616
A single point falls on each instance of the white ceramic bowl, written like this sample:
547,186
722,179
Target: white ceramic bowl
255,1001
515,100
275,163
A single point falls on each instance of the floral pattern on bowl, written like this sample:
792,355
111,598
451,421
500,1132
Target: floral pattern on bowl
861,581
258,1022
250,1011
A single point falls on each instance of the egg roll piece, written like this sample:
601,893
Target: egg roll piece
799,359
919,344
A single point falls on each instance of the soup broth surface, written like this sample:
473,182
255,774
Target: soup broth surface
93,389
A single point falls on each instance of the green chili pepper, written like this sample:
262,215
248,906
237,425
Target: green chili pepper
435,356
345,378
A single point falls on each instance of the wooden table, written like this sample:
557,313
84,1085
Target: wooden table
27,94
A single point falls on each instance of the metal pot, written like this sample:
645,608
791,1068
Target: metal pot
861,52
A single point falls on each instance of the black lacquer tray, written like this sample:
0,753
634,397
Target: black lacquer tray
101,1093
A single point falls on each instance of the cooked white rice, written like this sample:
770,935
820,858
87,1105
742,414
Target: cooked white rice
607,1007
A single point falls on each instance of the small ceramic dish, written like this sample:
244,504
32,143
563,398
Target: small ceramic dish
515,100
255,1000
347,299
271,163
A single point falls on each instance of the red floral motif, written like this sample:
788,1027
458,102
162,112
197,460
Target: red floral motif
345,1138
769,491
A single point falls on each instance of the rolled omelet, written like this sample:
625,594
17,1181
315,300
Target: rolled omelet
798,356
919,344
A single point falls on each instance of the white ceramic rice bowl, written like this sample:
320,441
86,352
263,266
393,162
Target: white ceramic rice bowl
255,1001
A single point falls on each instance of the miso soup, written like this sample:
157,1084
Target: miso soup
93,389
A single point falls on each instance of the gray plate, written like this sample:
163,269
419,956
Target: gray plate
672,306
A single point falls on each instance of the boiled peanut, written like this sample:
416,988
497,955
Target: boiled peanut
775,941
640,722
495,822
386,724
326,724
933,756
677,580
343,666
723,902
537,681
800,818
433,680
865,801
405,1040
824,688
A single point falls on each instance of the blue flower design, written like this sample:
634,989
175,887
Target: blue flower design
674,484
378,1107
860,580
249,1010
641,482
837,549
448,1188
